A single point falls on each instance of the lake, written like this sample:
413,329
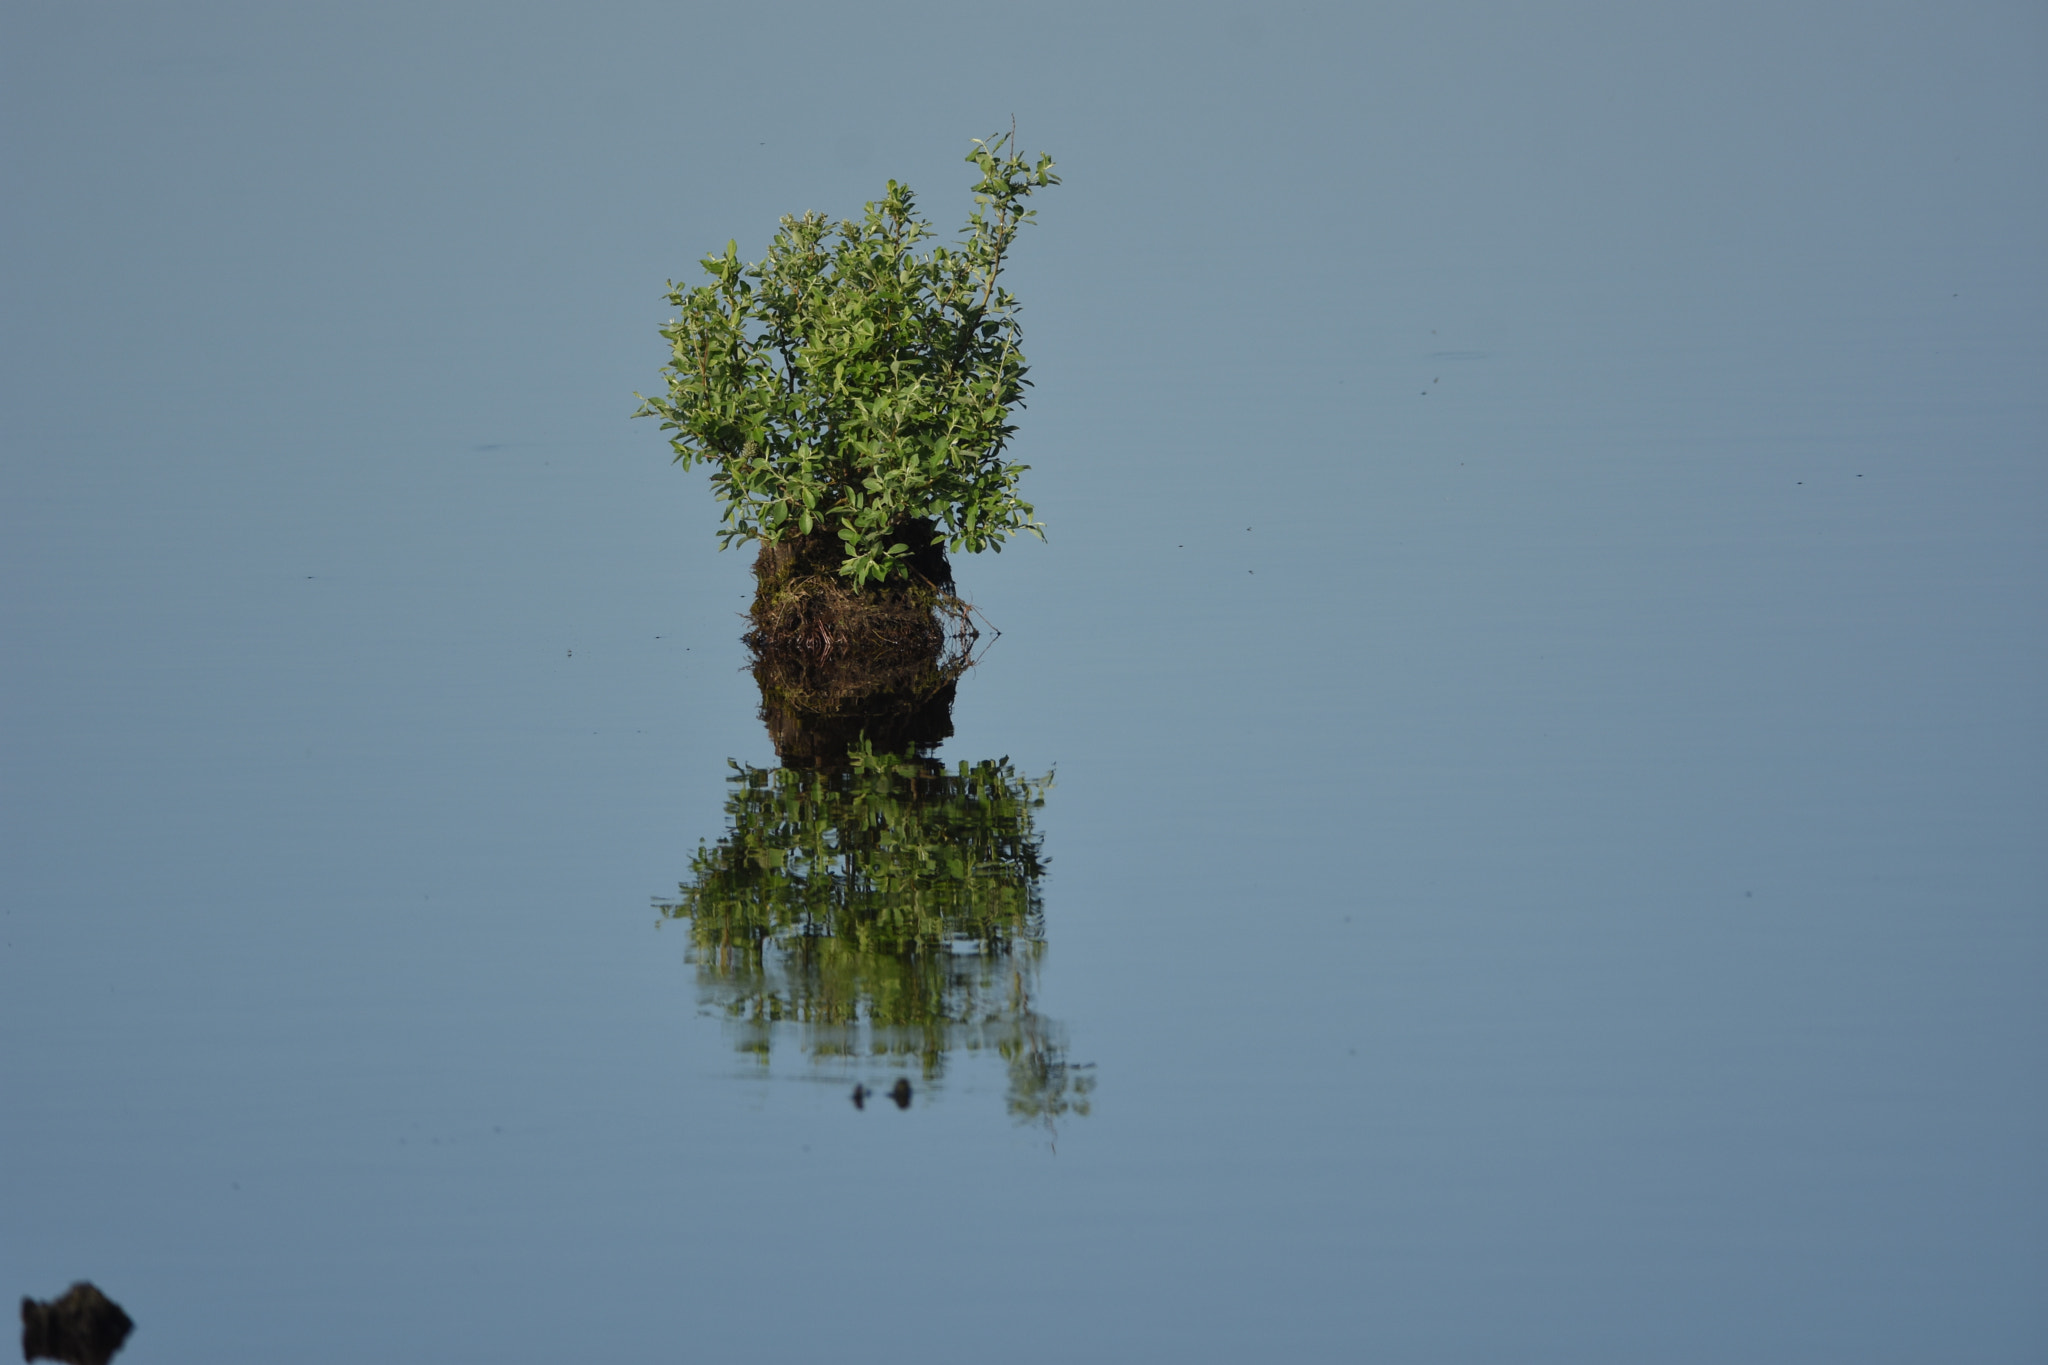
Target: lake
1518,770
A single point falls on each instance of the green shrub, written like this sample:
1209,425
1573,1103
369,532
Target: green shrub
889,908
850,384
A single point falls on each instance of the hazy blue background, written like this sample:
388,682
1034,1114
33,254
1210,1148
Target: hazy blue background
1542,644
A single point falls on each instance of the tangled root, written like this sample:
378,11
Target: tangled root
835,664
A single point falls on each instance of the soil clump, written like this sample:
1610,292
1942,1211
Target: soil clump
836,665
84,1327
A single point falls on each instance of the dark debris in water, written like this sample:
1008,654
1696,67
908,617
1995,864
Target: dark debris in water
84,1327
899,1092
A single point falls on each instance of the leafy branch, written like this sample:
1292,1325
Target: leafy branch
849,384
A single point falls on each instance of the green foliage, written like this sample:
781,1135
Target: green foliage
892,854
851,383
887,908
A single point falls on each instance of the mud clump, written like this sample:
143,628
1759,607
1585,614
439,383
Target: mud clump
836,665
84,1327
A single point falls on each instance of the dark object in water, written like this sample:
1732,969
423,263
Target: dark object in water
85,1327
836,665
899,1092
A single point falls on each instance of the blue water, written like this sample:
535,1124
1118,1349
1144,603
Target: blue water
1540,653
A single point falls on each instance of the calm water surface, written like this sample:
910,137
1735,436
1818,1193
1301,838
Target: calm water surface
1515,791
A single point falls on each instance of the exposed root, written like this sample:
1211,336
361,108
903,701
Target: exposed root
835,664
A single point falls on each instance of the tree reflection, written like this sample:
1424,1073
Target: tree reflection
884,907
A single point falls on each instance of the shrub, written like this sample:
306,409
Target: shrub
838,906
848,384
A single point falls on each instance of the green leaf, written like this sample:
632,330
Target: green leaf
852,381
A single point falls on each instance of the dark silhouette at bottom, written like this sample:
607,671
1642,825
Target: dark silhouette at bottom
84,1327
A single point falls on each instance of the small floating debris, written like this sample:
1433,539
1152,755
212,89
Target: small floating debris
84,1327
899,1092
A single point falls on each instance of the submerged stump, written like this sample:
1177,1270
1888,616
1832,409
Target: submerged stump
836,664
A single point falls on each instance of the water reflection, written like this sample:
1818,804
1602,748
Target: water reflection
868,906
